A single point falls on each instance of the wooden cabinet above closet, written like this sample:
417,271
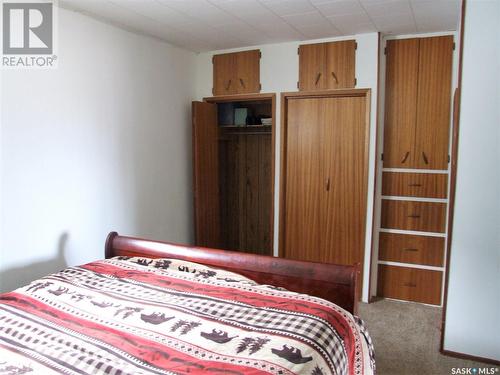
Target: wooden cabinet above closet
327,65
417,103
236,73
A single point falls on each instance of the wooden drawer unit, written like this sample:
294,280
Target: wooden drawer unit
410,284
409,215
424,185
406,248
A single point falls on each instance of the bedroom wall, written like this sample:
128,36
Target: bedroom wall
101,143
473,305
279,71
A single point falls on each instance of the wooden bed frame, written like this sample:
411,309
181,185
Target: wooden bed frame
332,282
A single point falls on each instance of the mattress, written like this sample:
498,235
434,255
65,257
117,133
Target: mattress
130,315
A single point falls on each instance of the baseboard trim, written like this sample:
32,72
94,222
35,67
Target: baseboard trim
470,357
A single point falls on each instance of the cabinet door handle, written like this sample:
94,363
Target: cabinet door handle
411,285
410,249
228,85
424,156
406,157
242,83
327,184
317,79
335,78
414,185
414,216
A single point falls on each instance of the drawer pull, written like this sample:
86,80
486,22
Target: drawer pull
405,157
414,216
335,78
317,79
424,156
414,185
410,249
411,285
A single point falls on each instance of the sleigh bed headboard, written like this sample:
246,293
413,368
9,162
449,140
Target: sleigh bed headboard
332,282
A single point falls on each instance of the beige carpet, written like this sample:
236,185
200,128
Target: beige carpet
406,337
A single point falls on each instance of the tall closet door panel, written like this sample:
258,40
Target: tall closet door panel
434,101
206,174
312,62
400,103
347,156
305,179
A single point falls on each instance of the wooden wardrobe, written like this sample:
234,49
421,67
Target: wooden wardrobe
233,174
324,175
414,205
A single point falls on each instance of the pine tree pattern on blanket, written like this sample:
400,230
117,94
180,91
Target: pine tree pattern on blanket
164,316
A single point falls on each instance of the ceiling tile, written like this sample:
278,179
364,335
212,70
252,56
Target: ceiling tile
155,11
202,25
354,28
340,7
358,18
320,31
288,7
307,19
382,8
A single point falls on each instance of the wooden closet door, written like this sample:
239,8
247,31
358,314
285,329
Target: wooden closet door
434,102
206,175
312,67
247,74
400,103
224,72
340,64
346,151
305,198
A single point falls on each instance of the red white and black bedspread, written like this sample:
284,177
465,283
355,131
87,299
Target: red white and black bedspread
143,316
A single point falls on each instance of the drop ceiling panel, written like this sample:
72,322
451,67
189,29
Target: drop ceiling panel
203,25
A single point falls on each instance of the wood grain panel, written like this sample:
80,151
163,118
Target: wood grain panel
206,174
266,196
340,64
312,67
434,102
410,284
305,177
346,157
224,66
418,216
425,185
247,72
400,103
246,196
408,248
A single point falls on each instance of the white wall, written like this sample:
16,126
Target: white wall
473,305
279,70
101,143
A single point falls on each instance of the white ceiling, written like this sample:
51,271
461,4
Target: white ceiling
204,25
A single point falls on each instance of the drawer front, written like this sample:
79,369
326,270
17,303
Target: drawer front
410,284
409,215
424,185
407,248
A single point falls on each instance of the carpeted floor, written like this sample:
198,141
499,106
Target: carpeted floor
406,337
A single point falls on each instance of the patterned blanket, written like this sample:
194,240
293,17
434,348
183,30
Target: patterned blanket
143,316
